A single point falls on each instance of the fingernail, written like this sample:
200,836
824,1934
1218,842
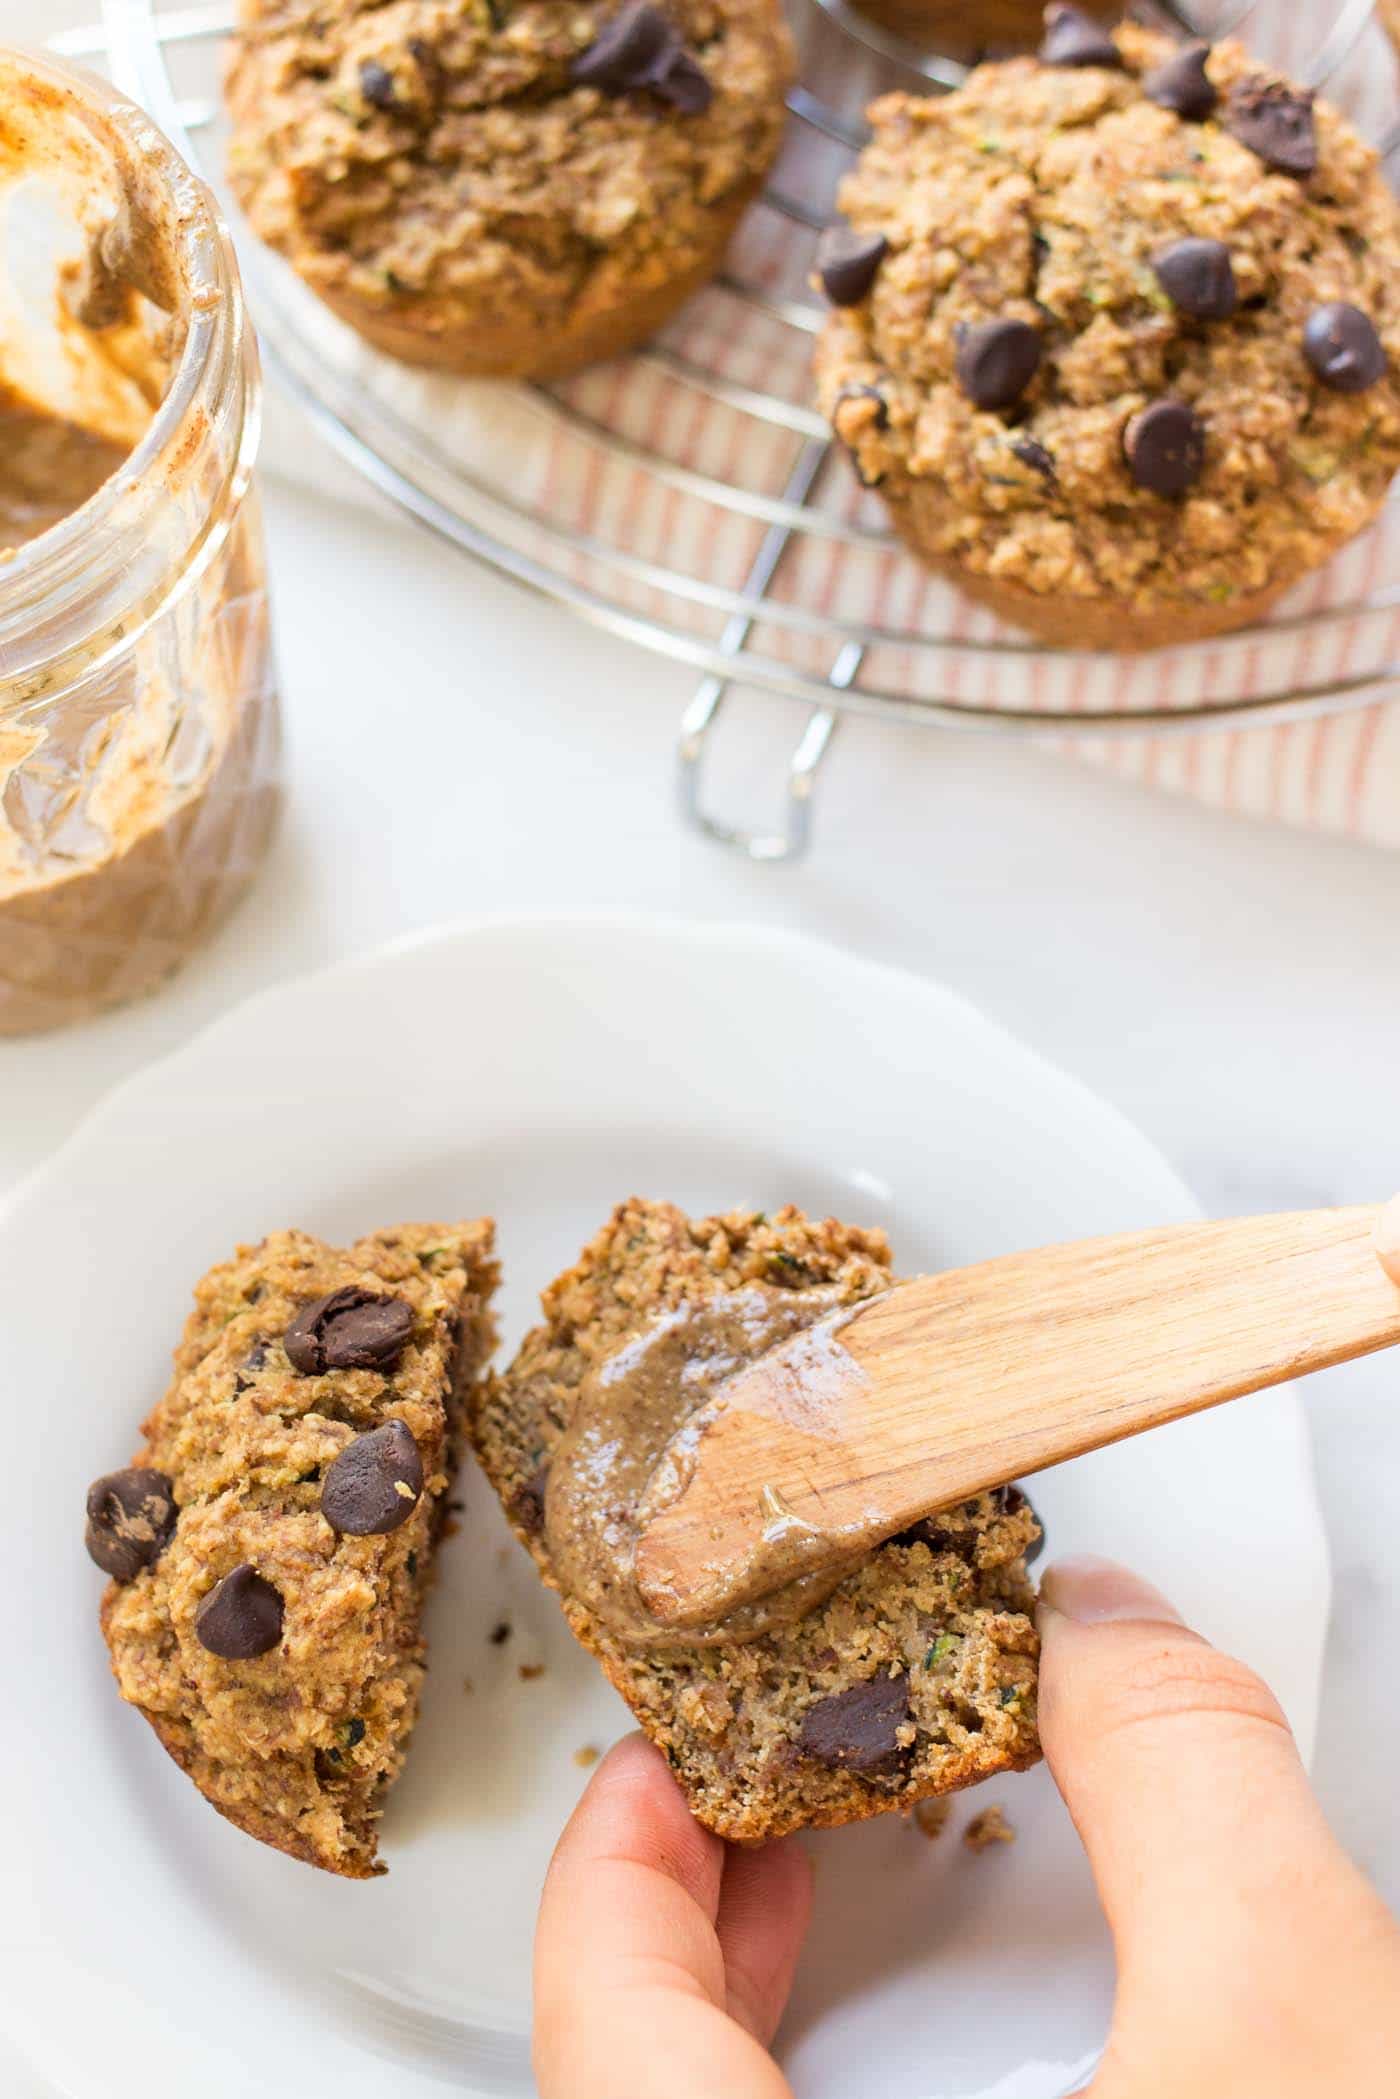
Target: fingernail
1098,1592
1388,1240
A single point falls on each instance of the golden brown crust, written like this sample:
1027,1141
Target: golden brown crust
477,210
1079,623
953,1617
1043,197
617,318
299,1744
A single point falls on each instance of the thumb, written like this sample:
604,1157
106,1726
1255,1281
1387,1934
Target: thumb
1222,1884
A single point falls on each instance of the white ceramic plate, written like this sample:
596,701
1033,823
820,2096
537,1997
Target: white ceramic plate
540,1071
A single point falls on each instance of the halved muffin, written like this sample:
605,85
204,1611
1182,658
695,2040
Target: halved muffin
272,1542
915,1676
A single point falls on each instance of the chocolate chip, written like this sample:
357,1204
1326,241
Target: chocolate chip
1199,278
1341,344
375,1483
848,263
938,1538
130,1517
351,1329
685,84
858,1730
997,361
1032,453
240,1617
527,1504
638,48
377,84
1276,122
500,1634
1182,84
1073,38
1165,447
354,1733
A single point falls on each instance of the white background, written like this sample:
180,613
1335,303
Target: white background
456,748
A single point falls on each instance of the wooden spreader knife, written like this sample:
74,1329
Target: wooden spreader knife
812,1455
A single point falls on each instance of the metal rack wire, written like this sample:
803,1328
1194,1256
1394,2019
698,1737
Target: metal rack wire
759,509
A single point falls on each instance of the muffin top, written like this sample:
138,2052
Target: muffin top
1123,319
449,148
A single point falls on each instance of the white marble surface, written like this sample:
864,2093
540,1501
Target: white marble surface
455,748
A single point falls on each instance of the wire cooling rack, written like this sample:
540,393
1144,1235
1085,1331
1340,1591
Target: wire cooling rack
690,498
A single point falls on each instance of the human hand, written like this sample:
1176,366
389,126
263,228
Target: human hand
663,1957
1254,1961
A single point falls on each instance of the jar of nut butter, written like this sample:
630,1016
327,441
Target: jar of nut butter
139,741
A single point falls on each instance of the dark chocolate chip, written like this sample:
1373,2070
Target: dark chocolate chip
1032,453
1073,38
500,1634
997,361
375,1483
354,1733
684,83
377,84
1165,447
929,1531
351,1329
527,1504
1275,121
848,263
858,1730
1182,84
240,1617
1198,277
130,1517
1341,344
639,48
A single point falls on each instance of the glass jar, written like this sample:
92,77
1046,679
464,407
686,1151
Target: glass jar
139,733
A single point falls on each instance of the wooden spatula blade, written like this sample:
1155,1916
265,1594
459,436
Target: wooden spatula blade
961,1381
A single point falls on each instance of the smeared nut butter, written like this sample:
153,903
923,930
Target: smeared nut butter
631,1410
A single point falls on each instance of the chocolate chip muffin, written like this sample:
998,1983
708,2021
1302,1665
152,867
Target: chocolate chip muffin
507,187
969,29
1116,333
271,1543
912,1676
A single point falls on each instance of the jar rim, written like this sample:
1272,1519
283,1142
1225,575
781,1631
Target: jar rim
40,572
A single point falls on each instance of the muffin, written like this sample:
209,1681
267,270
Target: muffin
969,29
271,1544
1115,331
507,187
911,1677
